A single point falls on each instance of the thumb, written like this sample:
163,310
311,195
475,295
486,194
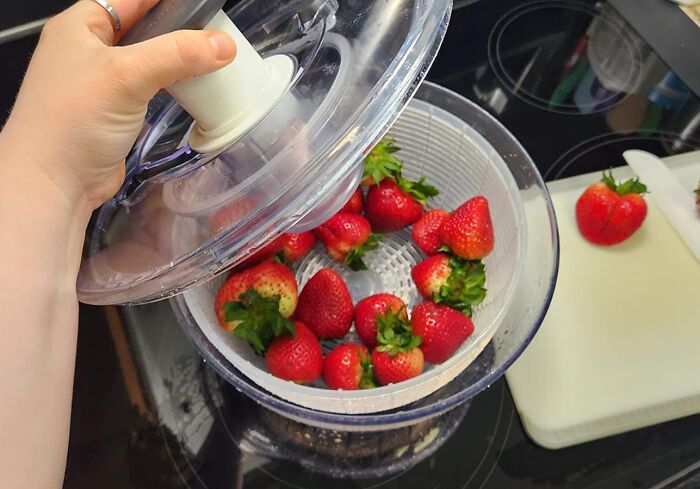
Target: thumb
159,62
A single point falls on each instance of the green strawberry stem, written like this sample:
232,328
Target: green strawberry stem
419,190
367,380
381,162
394,333
354,258
260,320
465,287
631,186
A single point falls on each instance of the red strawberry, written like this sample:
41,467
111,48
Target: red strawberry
325,305
256,303
355,205
397,356
347,237
468,231
231,291
431,274
297,246
265,253
452,281
442,329
349,367
381,163
395,204
230,215
426,232
608,213
297,358
369,309
274,280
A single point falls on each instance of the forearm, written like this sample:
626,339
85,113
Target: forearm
40,252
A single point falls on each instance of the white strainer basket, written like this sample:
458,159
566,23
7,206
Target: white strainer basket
462,164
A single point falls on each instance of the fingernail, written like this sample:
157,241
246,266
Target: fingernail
224,47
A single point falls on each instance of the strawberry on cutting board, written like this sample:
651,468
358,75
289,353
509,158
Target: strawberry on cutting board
349,367
397,356
607,213
296,247
426,231
325,305
355,205
452,281
256,303
442,329
296,357
395,203
468,231
368,312
381,163
348,237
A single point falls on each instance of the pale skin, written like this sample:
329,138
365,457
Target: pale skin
79,111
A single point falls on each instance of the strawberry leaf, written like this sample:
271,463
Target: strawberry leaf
394,333
631,186
258,320
354,258
419,190
465,287
367,380
381,162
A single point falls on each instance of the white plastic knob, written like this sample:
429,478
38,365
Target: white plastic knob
227,103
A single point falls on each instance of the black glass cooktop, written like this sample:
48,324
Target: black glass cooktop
578,86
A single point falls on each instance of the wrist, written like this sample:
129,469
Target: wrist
20,168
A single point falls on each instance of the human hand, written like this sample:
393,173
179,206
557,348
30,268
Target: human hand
83,102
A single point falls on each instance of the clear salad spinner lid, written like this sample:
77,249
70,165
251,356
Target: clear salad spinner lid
273,143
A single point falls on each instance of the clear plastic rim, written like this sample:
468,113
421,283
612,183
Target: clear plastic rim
406,414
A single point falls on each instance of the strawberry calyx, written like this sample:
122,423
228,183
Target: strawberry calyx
367,379
697,192
354,258
419,190
631,186
381,163
465,286
394,333
260,321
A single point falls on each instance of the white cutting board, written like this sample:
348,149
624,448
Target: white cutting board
619,348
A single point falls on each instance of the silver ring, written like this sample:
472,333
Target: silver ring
110,10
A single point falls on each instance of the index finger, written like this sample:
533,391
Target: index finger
101,21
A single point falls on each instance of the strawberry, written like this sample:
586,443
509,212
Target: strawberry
296,357
608,213
397,356
426,232
451,281
267,252
227,216
349,367
355,205
369,309
259,313
697,197
347,237
381,163
431,274
395,204
442,329
231,291
468,231
325,305
296,247
390,369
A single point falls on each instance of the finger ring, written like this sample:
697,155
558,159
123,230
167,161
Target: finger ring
110,10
